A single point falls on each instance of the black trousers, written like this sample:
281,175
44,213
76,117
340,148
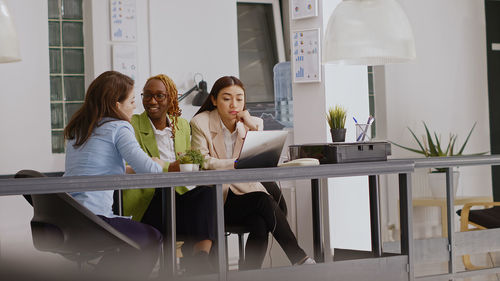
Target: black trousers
261,213
130,263
195,213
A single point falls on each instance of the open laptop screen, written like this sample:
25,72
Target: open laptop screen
261,149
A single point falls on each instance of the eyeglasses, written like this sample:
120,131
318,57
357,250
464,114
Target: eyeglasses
158,97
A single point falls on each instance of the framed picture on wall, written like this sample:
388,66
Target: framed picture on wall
125,59
302,9
305,56
123,17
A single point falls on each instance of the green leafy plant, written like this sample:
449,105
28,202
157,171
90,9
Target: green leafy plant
432,146
336,117
192,156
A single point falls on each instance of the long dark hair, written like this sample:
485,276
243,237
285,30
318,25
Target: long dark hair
220,84
100,101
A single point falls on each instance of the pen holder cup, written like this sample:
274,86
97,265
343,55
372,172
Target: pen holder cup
363,132
293,152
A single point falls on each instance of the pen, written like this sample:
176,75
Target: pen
368,123
360,135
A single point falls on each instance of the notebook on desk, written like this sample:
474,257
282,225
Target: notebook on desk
261,149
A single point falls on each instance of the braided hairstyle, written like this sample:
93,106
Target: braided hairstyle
173,103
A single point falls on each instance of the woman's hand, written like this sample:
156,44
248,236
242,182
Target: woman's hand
129,170
174,166
244,116
159,161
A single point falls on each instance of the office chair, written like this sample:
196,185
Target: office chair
61,225
273,189
480,219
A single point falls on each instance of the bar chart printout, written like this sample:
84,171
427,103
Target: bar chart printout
306,60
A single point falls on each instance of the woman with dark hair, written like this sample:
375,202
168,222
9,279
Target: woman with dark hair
100,139
218,129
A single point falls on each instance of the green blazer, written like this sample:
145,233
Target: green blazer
136,201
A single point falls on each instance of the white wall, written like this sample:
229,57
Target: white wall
349,198
101,44
347,86
25,125
25,96
189,37
446,86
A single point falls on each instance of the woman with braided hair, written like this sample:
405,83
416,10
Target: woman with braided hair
162,133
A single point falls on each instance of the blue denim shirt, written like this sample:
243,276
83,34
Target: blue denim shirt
105,153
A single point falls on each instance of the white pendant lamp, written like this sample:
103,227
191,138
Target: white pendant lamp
368,32
9,45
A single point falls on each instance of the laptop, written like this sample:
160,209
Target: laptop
261,149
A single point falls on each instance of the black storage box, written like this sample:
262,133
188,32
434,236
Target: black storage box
342,152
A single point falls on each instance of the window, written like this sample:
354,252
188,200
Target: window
67,73
260,47
371,99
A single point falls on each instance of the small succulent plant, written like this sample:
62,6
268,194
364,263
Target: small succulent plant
336,117
191,156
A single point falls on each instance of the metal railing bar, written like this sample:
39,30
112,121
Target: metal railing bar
116,182
442,162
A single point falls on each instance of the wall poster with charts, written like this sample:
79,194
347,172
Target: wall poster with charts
125,59
305,56
304,9
123,20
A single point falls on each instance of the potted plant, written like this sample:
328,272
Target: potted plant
336,117
432,146
191,160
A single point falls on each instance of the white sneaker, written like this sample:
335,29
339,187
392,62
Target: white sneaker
308,260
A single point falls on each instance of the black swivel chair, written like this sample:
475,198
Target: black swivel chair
273,189
62,225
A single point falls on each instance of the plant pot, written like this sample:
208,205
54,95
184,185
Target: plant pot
437,184
189,167
338,135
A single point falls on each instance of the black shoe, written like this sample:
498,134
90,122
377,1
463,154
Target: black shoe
198,264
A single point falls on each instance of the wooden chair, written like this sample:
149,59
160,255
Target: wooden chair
486,218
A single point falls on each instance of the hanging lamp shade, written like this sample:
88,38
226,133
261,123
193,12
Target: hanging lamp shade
368,32
9,45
